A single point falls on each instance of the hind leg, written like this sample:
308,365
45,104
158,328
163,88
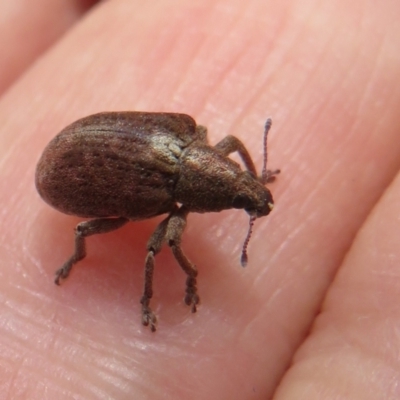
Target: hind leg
82,231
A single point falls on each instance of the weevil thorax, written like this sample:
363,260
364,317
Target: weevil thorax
211,182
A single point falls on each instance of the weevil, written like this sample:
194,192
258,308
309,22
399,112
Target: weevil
116,167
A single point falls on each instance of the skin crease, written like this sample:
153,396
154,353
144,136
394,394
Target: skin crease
315,313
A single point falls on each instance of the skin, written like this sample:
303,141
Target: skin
315,313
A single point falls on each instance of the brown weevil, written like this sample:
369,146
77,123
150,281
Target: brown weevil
116,167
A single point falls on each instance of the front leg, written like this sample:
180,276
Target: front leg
229,145
169,230
176,226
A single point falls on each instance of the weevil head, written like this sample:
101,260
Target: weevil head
252,196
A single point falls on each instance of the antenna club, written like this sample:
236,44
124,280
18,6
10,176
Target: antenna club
268,124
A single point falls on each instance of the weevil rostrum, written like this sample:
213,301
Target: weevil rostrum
116,167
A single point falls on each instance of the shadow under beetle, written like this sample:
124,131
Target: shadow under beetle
118,167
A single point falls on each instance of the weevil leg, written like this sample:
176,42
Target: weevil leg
231,144
169,230
270,175
176,226
82,231
153,247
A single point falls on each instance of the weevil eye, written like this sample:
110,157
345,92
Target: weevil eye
241,201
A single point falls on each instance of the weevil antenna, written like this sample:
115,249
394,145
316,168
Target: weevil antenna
244,258
264,172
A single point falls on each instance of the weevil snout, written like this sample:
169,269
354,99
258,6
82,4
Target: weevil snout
264,207
253,197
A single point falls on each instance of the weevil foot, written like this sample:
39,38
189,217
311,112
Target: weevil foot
148,316
192,299
270,175
61,273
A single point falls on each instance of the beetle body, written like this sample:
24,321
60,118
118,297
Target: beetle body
115,164
138,165
121,166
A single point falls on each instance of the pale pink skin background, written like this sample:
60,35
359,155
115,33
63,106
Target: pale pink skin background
316,313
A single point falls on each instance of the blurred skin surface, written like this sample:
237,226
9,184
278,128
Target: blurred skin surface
316,313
